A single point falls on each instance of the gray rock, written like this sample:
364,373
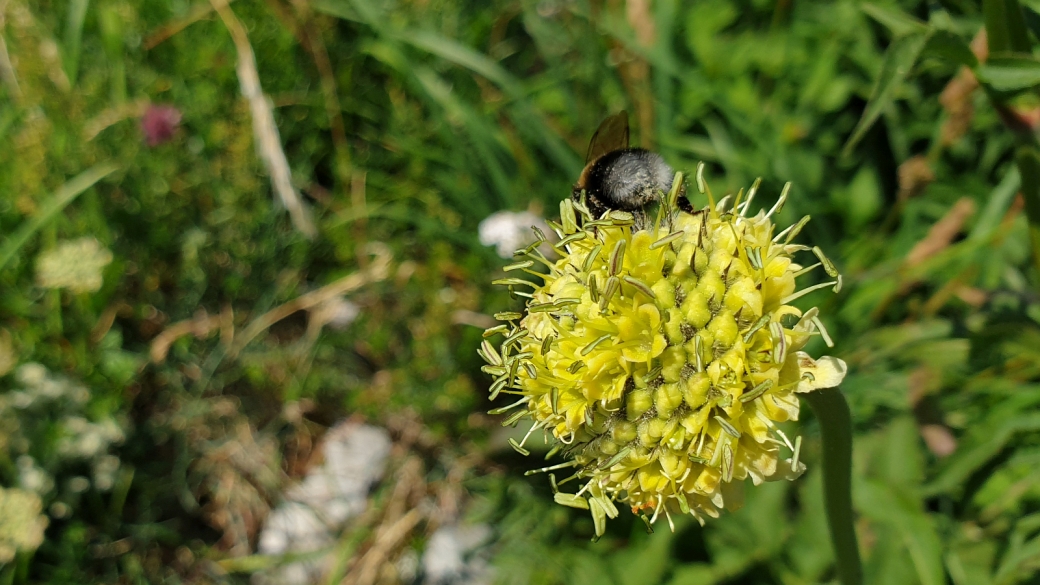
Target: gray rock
453,556
316,509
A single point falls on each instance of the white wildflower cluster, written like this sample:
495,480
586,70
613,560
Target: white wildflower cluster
45,404
39,387
21,523
83,439
73,264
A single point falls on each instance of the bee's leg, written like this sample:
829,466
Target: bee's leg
682,202
592,203
641,219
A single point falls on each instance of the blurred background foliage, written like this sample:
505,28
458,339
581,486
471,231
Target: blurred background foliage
406,123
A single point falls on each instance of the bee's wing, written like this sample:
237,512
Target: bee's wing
612,135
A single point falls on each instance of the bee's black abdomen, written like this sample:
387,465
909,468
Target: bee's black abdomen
628,179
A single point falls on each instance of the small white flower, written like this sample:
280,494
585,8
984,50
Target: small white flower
78,484
32,478
105,469
510,230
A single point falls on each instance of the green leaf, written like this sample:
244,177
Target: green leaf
997,204
1019,562
975,454
646,559
899,60
1031,16
902,511
895,20
945,44
1010,74
77,15
1005,26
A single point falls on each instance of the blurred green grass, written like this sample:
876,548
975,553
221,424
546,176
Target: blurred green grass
404,125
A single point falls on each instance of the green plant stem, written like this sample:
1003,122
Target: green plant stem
836,430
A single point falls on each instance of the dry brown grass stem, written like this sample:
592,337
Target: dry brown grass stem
202,325
112,116
941,235
378,270
399,520
268,142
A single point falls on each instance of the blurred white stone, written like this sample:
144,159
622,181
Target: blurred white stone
450,556
509,231
317,508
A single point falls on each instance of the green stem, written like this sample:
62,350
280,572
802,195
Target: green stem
836,430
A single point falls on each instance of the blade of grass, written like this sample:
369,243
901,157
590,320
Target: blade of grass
74,36
902,511
112,33
894,19
62,197
975,456
899,59
484,138
997,204
1005,26
1010,74
467,58
481,133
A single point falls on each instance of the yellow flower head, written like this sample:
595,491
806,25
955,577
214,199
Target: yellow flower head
657,357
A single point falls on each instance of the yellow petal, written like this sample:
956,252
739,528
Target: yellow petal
826,372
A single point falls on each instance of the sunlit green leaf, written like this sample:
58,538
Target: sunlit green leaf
947,45
1010,74
917,533
897,21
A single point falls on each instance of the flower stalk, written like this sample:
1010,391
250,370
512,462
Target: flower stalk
832,411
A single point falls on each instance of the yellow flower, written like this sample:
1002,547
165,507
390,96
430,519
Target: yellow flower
658,358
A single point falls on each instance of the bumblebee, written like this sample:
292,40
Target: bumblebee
618,177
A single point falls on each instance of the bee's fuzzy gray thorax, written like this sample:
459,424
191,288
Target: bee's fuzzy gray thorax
632,178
